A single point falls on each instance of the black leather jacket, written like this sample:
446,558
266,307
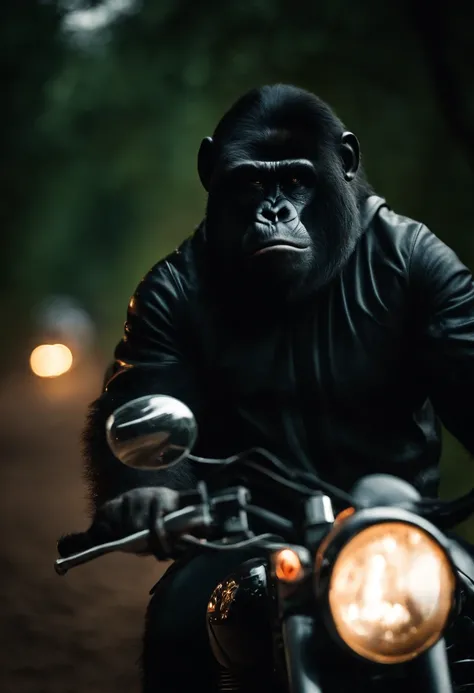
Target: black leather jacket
347,384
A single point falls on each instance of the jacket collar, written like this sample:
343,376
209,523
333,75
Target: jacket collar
370,208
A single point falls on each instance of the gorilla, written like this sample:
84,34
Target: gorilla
304,316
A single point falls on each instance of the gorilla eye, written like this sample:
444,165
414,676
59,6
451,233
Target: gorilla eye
295,181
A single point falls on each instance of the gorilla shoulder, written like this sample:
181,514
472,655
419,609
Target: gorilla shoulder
394,235
175,279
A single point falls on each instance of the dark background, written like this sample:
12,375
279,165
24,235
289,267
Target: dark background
103,108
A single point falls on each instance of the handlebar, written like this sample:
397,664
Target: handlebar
227,511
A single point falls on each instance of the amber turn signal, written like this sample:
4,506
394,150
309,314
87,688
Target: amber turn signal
288,566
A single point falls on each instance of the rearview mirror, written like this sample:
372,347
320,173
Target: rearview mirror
151,432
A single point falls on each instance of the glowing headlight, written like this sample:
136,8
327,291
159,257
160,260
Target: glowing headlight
391,592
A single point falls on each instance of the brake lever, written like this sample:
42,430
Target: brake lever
134,543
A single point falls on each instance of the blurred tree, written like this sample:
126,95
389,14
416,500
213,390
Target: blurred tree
442,39
30,54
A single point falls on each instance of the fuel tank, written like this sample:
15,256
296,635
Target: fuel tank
239,618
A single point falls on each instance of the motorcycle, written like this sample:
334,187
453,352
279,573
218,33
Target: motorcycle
364,590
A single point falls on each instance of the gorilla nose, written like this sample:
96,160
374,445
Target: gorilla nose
274,213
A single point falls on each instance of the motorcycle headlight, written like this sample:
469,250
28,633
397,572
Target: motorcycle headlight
391,591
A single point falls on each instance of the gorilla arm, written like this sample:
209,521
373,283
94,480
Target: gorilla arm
443,291
149,359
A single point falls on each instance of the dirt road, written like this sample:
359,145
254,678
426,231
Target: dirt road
67,634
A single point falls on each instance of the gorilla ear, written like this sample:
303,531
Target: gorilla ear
350,155
206,162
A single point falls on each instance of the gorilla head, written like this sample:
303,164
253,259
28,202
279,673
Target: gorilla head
284,185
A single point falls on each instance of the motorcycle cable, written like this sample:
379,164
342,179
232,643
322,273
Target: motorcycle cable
259,541
278,522
447,514
295,486
316,483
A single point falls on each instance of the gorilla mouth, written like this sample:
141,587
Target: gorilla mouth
279,245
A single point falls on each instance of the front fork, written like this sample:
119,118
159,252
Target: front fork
429,672
298,633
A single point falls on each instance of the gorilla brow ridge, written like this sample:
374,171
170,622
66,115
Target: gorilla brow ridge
282,109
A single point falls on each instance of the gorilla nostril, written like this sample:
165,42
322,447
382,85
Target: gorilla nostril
267,213
284,213
270,213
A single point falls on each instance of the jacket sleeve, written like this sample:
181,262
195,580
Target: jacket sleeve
150,358
443,308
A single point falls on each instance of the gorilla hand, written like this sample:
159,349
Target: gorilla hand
129,513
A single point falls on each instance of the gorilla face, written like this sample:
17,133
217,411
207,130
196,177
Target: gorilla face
282,213
261,206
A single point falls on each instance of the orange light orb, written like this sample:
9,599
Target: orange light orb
50,360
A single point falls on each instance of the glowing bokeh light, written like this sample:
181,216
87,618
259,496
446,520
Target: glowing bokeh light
50,360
